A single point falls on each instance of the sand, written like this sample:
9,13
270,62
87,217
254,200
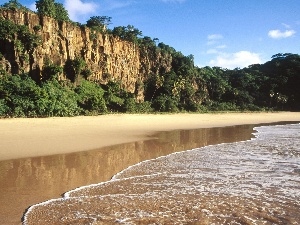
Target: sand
21,138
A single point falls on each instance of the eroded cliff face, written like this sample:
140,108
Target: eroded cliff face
107,57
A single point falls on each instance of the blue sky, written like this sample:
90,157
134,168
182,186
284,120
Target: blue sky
225,33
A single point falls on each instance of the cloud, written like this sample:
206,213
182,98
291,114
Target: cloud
212,51
215,37
238,59
221,46
216,50
78,8
287,26
277,34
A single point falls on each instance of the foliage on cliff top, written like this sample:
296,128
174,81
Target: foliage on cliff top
185,87
52,9
14,5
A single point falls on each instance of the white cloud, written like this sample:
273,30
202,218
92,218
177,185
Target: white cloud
238,59
287,26
216,50
212,51
77,8
277,34
221,46
215,37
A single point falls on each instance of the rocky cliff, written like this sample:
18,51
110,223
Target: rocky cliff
107,56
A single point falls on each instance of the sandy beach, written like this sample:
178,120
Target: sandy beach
21,138
38,154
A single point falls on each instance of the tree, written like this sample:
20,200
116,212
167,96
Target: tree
57,100
99,23
51,71
46,7
74,69
90,98
19,95
13,4
129,33
61,14
8,30
52,9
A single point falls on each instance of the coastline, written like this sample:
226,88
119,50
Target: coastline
27,137
146,190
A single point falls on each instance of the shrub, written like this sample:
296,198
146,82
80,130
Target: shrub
144,107
164,103
90,98
19,95
57,100
3,108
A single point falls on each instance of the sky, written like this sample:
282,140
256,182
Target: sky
224,33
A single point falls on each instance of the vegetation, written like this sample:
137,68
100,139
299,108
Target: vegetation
128,33
68,90
19,38
99,23
14,5
52,9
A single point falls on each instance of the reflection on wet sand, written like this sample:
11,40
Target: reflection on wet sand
24,182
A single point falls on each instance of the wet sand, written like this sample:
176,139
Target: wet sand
27,181
251,183
21,138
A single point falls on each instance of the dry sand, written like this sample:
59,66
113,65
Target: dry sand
22,138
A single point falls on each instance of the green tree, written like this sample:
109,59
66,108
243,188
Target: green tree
61,14
283,80
13,5
216,82
90,98
99,23
115,96
8,30
57,100
19,95
51,71
129,33
75,69
46,7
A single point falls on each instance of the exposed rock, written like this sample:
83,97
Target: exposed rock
108,57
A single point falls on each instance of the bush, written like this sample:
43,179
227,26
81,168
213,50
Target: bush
224,106
57,100
19,95
3,108
51,71
90,98
144,107
164,103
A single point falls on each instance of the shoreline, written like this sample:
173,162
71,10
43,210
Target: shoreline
135,183
27,137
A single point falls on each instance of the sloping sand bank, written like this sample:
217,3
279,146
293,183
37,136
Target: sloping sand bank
22,138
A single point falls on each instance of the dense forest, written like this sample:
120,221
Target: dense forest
273,85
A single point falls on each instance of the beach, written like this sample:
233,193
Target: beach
22,138
46,157
252,182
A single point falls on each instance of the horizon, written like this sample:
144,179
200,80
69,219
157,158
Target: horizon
234,34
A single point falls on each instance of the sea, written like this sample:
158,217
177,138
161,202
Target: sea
246,182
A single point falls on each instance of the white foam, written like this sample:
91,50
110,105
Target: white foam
262,169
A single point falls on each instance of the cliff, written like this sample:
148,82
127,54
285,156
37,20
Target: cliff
106,56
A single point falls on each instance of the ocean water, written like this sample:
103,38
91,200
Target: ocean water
248,182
